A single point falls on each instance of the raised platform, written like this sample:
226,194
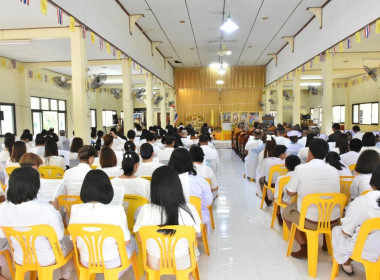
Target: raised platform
222,144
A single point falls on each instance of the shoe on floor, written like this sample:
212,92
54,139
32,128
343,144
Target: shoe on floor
301,254
348,269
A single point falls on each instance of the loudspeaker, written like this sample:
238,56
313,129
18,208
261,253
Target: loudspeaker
1,115
115,119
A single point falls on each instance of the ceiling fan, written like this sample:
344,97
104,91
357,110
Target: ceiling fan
371,72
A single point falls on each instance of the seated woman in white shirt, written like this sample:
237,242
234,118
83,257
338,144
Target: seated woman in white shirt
351,157
303,152
9,140
369,142
167,207
130,146
182,161
344,237
202,169
147,166
164,155
129,181
367,162
97,194
19,148
341,144
23,209
333,159
51,157
293,147
73,177
108,161
76,144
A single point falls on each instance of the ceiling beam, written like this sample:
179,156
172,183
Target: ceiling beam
55,64
35,33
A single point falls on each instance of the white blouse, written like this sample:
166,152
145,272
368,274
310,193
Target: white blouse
98,213
360,184
147,168
10,163
74,177
114,171
206,172
54,161
4,155
136,186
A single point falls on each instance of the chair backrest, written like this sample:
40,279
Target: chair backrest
167,244
67,201
365,192
280,169
134,202
281,184
94,166
366,228
51,172
197,202
93,236
10,169
149,178
345,185
325,203
352,167
208,180
26,238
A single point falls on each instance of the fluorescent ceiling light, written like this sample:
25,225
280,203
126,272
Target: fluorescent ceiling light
219,82
310,84
15,42
229,25
311,77
114,81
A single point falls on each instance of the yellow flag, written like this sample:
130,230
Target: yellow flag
378,26
3,62
108,47
357,37
130,62
212,117
44,7
341,46
72,24
118,54
327,54
316,59
21,68
92,37
39,76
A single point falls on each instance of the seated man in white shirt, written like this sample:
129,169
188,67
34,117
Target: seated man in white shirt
185,139
352,156
357,133
39,150
293,146
280,139
315,176
279,152
147,166
164,155
211,155
253,147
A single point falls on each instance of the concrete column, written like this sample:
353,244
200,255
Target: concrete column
127,95
267,104
99,111
26,120
296,100
279,103
171,98
163,105
81,111
348,109
327,85
149,101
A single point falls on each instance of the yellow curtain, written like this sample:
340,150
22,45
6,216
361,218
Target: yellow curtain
197,92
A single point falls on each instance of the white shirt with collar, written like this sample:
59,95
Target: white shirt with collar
350,158
370,148
39,151
293,148
267,164
74,177
165,154
211,155
187,143
281,140
205,171
54,161
147,168
314,177
358,135
360,184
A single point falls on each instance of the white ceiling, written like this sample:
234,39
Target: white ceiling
194,42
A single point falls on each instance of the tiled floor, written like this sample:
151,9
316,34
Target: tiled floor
243,246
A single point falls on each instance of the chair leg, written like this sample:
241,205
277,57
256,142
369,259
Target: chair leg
285,232
275,207
196,273
135,266
211,216
334,270
182,275
328,243
372,271
45,274
10,264
263,197
312,253
140,261
291,239
204,239
20,274
32,275
111,274
153,275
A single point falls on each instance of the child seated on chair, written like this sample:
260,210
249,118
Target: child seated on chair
344,237
97,194
23,209
291,162
167,207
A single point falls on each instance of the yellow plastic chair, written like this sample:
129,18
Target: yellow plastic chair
26,237
281,170
94,166
51,172
197,202
345,185
149,178
8,258
134,202
66,202
94,243
10,169
325,203
365,192
372,269
3,187
209,208
352,167
167,260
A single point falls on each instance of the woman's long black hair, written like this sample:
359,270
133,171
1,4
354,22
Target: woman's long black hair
333,159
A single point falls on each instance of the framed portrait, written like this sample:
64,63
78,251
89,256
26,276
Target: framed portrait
226,117
235,117
254,117
244,117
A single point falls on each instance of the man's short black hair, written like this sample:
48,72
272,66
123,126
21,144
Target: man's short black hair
336,126
281,130
203,138
291,162
356,145
356,128
197,153
319,148
96,187
279,150
131,134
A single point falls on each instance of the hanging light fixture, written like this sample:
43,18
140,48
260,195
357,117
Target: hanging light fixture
221,70
229,26
219,82
223,50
